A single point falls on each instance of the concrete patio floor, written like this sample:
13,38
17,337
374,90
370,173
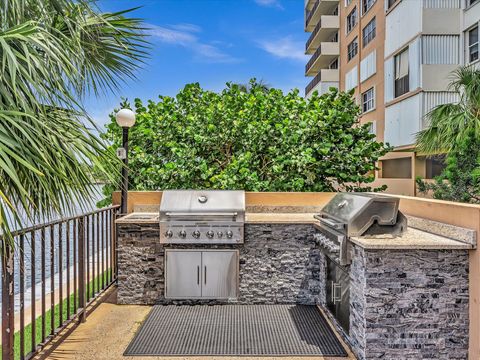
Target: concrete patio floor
110,328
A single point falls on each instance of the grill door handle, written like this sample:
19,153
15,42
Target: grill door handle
198,274
331,223
196,214
337,297
205,275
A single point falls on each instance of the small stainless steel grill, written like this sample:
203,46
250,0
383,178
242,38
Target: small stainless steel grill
357,214
202,217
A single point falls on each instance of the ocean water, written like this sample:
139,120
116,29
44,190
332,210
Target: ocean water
37,242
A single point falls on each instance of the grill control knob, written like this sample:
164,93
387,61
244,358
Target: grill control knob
229,234
196,234
169,233
183,234
210,234
220,234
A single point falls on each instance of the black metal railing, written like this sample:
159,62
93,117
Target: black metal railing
314,58
314,82
313,34
311,12
74,258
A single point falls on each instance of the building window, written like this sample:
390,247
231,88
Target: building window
351,19
372,127
333,64
397,168
369,32
390,3
473,44
368,100
366,5
352,49
401,73
347,2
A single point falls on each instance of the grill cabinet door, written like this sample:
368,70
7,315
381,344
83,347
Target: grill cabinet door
183,274
219,274
338,293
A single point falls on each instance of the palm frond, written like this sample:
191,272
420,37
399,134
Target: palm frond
52,53
449,123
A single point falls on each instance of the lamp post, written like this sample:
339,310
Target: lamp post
125,119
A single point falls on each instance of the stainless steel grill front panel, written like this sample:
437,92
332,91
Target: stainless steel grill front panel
202,217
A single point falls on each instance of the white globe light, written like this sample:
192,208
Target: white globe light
125,118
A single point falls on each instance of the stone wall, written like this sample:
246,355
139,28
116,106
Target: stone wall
279,263
409,304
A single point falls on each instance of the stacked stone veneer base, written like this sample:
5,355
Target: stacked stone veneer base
279,264
409,304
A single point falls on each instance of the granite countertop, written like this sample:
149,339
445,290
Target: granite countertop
411,239
139,218
280,218
251,218
424,234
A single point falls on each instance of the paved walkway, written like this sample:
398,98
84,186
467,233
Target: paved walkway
108,331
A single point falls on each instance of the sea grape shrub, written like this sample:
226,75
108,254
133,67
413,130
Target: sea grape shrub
256,140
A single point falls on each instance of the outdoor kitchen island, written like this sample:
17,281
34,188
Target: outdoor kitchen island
407,297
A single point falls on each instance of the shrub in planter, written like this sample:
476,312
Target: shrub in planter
256,140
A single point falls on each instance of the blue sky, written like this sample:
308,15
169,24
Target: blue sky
212,42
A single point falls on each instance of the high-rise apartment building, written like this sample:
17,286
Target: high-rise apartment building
397,55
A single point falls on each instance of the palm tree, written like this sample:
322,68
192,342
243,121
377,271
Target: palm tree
450,124
252,85
52,54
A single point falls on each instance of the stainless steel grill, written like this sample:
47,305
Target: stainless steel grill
202,217
357,214
347,215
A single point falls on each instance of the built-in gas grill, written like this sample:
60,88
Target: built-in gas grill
356,214
347,215
202,217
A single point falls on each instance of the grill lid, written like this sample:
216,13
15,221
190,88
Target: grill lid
356,213
202,202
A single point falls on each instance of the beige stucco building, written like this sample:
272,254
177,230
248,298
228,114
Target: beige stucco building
397,55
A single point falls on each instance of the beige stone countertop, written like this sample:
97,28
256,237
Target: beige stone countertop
138,218
280,218
412,239
251,218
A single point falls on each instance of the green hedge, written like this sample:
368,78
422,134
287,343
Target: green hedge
257,140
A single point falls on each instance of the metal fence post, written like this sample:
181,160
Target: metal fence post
81,269
114,244
7,300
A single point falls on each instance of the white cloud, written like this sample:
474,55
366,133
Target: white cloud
270,3
172,36
186,27
285,48
185,35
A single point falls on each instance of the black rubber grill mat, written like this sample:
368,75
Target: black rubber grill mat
275,330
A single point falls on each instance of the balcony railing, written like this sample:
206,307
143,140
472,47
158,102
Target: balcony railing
313,34
314,82
311,12
314,58
74,258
